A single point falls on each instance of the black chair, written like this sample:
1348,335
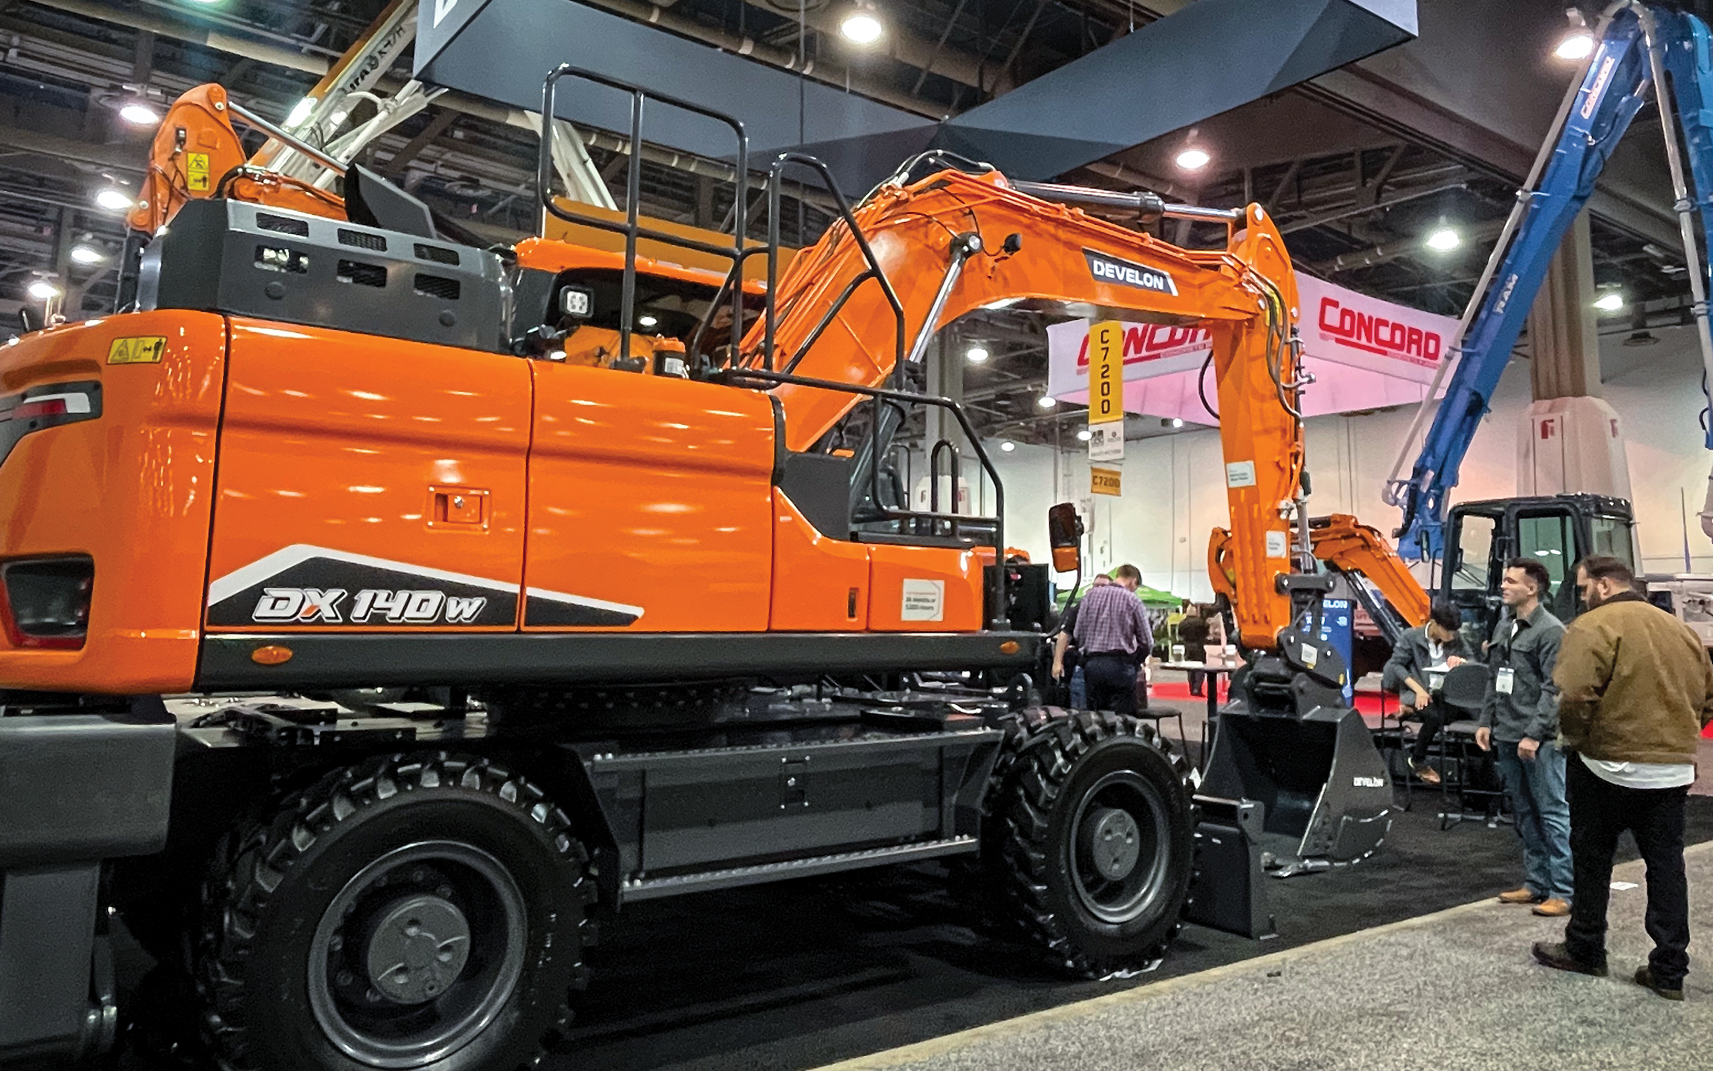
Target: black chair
1466,772
1146,710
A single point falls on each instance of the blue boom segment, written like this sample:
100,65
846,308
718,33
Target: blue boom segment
1684,41
1613,90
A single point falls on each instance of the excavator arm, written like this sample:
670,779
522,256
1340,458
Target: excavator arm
1343,543
1346,544
957,241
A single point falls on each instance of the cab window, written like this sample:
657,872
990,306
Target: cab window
1612,537
1474,551
1551,540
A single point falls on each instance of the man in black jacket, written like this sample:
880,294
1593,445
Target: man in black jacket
1418,665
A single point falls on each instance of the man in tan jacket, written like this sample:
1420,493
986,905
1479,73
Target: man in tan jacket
1635,687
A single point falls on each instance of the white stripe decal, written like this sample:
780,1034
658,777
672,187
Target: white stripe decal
242,579
280,560
583,600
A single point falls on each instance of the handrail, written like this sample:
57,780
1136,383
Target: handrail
934,479
632,228
880,394
733,283
775,171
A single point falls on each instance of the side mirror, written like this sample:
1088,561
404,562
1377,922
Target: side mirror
1065,536
577,302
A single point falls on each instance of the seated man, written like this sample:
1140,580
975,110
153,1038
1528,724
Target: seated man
1418,664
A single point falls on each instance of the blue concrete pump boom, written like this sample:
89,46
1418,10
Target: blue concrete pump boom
1638,46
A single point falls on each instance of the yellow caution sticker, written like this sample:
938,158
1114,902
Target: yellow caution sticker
144,350
196,171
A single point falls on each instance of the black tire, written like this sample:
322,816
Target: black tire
1079,794
461,872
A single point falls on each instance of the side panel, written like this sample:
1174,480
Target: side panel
924,589
368,484
650,504
819,584
131,489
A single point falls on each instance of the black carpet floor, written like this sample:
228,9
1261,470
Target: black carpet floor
794,976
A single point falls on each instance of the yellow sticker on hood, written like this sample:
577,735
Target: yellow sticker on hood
144,350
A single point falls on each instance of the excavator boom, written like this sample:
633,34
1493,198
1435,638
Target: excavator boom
958,241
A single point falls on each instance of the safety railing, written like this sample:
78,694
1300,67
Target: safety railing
761,372
632,227
882,395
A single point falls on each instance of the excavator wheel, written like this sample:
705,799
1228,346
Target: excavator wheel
414,911
1092,837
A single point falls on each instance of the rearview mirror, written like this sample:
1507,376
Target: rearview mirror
1065,536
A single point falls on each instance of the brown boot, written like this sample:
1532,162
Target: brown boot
1428,774
1522,895
1554,908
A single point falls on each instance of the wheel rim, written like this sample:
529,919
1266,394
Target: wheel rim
1119,848
417,954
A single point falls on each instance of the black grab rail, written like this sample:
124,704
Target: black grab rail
881,394
631,228
738,253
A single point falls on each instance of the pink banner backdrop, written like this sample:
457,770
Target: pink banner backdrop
1364,353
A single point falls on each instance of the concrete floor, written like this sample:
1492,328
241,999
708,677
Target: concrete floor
1452,991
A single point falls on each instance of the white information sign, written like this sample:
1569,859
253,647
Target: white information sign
924,600
1106,442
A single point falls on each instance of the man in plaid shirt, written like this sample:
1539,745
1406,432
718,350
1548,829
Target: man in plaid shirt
1113,632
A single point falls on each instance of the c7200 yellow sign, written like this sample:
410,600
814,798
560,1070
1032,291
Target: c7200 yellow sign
1105,372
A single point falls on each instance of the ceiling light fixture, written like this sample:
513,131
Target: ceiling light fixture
1611,301
1443,239
863,25
646,321
1578,42
1193,159
113,200
42,290
976,354
1008,446
87,254
1191,156
1085,435
138,113
1177,422
1046,401
299,112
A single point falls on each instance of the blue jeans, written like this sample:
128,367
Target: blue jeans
1536,788
1079,689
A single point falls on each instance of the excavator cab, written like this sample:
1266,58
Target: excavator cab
1556,530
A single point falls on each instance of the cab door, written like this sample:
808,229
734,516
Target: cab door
650,503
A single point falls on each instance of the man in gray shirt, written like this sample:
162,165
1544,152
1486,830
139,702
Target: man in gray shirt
1420,660
1520,722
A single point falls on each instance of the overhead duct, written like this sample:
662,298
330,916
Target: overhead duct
1208,58
457,41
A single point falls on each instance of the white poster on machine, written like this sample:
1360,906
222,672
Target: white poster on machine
1364,353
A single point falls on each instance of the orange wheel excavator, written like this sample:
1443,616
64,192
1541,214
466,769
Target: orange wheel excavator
360,649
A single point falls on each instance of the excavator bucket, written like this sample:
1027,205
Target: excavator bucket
1287,742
